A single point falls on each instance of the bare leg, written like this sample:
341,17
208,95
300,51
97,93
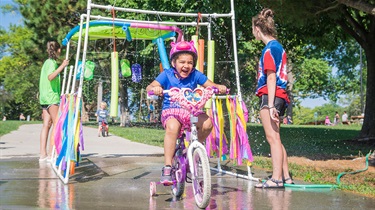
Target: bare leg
53,110
172,129
272,131
44,133
204,127
286,167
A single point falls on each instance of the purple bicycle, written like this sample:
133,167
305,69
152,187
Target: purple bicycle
190,157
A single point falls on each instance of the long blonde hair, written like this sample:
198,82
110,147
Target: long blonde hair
265,22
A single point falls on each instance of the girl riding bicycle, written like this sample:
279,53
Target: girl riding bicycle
175,119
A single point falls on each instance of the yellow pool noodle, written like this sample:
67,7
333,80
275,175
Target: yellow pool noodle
114,84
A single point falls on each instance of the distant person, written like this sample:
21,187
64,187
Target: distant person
285,121
4,118
327,121
151,110
49,98
102,115
22,117
289,119
344,119
336,119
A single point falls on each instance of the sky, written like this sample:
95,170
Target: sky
311,103
8,18
15,18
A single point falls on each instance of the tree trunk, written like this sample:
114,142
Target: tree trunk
368,127
124,103
291,79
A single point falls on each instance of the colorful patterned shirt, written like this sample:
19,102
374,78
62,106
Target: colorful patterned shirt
273,59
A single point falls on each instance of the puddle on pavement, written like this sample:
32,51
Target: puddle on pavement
28,185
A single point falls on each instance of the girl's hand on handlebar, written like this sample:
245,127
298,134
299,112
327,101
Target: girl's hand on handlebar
222,89
157,90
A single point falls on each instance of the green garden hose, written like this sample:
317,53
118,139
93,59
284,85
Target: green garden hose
329,185
353,172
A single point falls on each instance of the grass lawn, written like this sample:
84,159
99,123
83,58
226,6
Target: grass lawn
313,142
11,125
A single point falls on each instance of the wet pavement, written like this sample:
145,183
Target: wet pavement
115,174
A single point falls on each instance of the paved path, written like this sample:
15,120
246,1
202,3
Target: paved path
25,143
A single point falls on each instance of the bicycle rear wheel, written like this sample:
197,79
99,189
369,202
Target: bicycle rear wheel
179,174
201,178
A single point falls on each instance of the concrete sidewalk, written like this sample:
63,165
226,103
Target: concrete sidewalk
24,142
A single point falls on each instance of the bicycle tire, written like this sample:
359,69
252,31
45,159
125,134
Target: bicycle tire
103,131
179,187
201,180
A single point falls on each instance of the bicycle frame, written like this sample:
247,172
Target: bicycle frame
194,143
196,154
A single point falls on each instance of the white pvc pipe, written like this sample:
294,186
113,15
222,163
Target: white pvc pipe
235,50
248,177
147,22
69,79
249,174
152,12
65,69
222,97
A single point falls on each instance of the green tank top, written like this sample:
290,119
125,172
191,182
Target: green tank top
49,90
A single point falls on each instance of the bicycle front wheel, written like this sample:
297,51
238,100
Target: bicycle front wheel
201,178
103,131
179,174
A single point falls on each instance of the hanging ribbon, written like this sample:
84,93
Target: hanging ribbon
113,28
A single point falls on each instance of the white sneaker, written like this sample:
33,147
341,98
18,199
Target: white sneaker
43,159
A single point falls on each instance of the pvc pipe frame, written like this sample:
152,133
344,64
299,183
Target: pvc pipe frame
90,5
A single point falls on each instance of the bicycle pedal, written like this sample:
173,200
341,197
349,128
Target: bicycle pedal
188,179
167,183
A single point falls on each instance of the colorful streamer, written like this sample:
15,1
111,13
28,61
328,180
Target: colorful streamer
69,139
239,150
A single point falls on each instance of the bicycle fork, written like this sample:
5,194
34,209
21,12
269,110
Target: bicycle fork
194,143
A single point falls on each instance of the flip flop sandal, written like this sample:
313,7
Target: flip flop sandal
266,185
287,179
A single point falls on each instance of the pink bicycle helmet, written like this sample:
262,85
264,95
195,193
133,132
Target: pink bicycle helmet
183,47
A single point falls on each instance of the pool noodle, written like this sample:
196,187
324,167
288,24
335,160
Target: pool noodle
210,65
114,84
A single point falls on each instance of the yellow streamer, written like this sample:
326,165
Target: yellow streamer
240,113
221,125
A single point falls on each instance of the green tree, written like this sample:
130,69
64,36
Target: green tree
18,73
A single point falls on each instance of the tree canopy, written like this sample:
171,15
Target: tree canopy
317,35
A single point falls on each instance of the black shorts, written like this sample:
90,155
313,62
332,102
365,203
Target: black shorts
46,106
280,104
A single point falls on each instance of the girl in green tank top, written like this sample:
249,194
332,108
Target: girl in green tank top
49,95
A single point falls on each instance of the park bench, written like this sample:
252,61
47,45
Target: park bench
357,119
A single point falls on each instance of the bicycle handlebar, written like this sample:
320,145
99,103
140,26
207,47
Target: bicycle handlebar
192,100
215,90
